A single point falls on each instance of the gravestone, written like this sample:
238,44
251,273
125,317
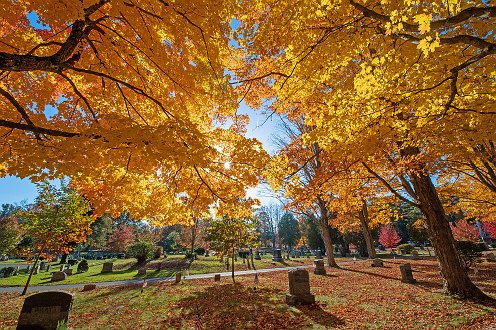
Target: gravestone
27,269
318,254
299,288
377,263
318,267
178,277
68,271
43,265
490,257
48,267
107,267
45,310
277,256
89,287
415,255
217,278
36,270
58,276
207,253
62,267
18,268
257,255
142,272
407,274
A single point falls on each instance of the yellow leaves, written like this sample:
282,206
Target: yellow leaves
428,45
424,21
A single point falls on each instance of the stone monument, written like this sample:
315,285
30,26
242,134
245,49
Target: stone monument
58,276
107,267
45,310
407,274
277,256
299,288
217,278
377,263
318,267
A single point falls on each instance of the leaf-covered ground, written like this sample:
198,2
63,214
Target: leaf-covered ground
355,297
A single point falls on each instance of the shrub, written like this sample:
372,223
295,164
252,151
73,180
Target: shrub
159,251
72,262
200,251
141,250
83,266
7,271
470,251
406,247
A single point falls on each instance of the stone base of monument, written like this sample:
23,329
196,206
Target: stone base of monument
377,263
295,300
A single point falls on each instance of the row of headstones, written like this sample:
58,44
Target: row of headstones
299,282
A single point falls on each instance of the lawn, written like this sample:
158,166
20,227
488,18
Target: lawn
124,269
354,297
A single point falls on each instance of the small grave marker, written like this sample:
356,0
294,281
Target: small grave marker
58,276
68,271
299,288
45,310
277,256
107,267
43,265
407,274
89,287
178,277
217,278
318,266
377,263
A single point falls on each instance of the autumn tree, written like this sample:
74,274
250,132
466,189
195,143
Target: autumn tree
490,229
388,236
400,84
227,234
131,100
58,220
10,234
121,238
464,231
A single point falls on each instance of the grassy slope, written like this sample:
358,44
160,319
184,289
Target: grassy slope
354,297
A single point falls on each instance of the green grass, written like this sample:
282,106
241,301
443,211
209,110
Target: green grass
173,264
12,261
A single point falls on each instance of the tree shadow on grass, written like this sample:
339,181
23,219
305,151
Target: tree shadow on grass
235,306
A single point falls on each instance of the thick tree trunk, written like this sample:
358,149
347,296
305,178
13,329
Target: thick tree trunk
326,236
364,220
456,280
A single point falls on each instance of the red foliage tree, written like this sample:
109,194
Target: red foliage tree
490,228
388,236
463,231
122,237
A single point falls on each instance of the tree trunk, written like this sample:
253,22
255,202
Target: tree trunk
193,237
232,268
30,275
326,236
456,280
364,219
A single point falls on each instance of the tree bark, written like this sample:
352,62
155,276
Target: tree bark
232,268
326,236
30,275
456,280
364,220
